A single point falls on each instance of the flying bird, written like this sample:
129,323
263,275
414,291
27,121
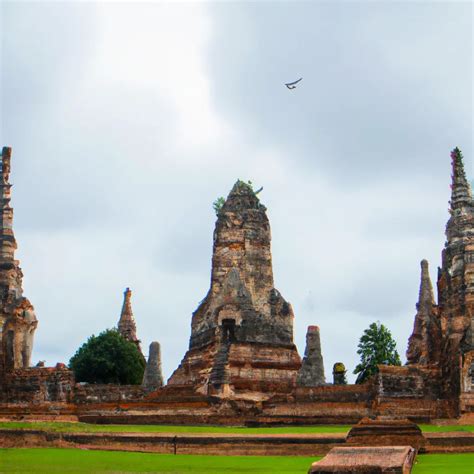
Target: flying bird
292,85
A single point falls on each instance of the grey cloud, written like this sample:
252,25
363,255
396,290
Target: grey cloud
386,87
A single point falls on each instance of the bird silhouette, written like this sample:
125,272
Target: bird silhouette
292,85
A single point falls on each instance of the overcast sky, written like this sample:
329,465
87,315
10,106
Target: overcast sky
127,120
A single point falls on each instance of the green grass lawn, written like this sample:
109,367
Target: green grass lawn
100,462
85,427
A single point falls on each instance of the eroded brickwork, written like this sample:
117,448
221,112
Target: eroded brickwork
17,316
443,333
38,385
242,312
126,325
311,373
456,280
153,376
425,342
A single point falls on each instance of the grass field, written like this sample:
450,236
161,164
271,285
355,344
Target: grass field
100,462
93,428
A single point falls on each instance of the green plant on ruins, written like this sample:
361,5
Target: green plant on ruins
108,358
219,202
376,347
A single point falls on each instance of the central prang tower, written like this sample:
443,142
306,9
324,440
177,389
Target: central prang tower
242,332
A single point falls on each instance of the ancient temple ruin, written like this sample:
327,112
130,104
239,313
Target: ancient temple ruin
126,325
425,341
153,376
242,332
17,316
456,286
242,366
443,334
311,373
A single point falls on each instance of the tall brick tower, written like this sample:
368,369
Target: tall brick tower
126,325
456,284
425,342
17,317
242,332
443,334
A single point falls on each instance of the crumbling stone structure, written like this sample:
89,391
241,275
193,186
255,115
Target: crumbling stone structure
242,332
17,316
311,373
424,344
443,334
456,286
153,376
242,366
126,325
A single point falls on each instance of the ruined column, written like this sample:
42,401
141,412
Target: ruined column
311,373
126,325
153,376
425,342
17,317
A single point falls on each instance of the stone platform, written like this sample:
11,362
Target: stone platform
383,431
367,460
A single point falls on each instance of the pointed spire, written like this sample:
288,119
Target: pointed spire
126,325
426,297
424,342
7,238
241,197
460,189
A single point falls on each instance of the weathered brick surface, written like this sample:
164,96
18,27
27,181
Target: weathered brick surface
153,376
106,393
242,332
386,431
126,325
38,385
425,342
367,460
17,316
311,373
456,283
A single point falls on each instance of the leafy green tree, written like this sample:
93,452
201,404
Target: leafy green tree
108,358
376,347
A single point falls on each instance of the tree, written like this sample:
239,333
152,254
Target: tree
376,347
108,358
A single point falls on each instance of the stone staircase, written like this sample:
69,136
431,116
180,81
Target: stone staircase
219,373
